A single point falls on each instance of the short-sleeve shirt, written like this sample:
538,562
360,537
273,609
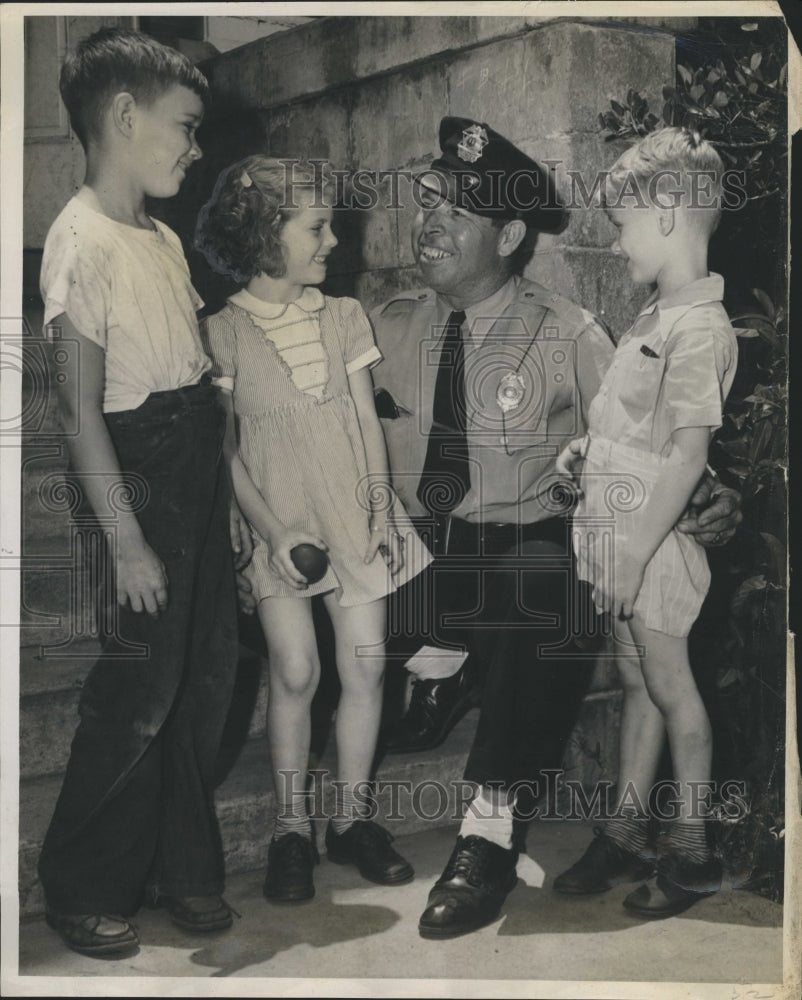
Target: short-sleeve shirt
129,291
672,369
559,354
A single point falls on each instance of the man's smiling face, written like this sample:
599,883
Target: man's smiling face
457,251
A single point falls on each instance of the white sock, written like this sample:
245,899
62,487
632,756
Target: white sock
433,664
489,816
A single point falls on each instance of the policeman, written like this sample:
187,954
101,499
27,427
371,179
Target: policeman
484,378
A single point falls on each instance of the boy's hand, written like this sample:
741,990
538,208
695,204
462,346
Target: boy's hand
280,560
626,585
713,515
241,540
141,578
569,457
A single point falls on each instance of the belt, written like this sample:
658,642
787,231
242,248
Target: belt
446,534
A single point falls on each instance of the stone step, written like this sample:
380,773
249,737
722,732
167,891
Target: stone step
50,686
415,791
44,509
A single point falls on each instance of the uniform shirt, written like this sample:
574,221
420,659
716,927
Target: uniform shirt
672,369
129,291
556,352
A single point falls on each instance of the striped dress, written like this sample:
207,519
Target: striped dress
299,438
672,369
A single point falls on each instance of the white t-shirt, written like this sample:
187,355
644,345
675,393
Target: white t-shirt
129,291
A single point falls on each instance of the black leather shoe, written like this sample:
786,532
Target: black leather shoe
603,865
679,884
436,706
290,862
367,845
94,934
471,890
199,913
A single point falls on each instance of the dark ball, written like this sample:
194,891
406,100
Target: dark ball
310,560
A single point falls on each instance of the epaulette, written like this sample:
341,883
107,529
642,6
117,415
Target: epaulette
571,312
403,300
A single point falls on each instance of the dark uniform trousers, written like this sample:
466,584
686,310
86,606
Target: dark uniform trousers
510,595
136,808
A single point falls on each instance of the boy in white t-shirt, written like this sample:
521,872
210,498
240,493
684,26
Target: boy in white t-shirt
135,818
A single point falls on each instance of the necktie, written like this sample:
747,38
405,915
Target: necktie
446,475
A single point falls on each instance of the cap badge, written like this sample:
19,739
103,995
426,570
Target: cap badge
474,140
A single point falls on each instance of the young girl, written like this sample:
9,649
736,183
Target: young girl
646,449
309,466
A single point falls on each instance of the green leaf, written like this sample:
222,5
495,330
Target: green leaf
696,91
685,74
755,61
618,108
721,100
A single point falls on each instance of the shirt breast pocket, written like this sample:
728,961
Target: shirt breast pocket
639,386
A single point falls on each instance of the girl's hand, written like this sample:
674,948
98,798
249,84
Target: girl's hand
569,457
241,541
141,578
385,539
280,561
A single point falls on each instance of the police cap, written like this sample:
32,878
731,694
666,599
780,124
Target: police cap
484,173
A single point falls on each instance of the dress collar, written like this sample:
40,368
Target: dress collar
310,300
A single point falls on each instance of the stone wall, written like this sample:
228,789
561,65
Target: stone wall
368,94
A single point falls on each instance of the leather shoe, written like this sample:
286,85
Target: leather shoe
94,934
603,865
290,862
471,890
199,913
367,845
679,884
436,706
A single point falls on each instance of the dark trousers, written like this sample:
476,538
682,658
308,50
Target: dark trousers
510,596
136,806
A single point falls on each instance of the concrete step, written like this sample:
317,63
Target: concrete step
416,792
50,686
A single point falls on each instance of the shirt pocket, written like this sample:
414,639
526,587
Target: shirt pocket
639,386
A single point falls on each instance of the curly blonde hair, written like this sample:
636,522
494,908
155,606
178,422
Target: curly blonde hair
239,228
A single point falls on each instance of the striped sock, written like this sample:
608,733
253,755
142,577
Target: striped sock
293,818
629,832
690,840
350,808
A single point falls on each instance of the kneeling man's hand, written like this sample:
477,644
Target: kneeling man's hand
713,514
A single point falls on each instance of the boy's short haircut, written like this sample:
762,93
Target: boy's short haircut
120,60
239,228
672,167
